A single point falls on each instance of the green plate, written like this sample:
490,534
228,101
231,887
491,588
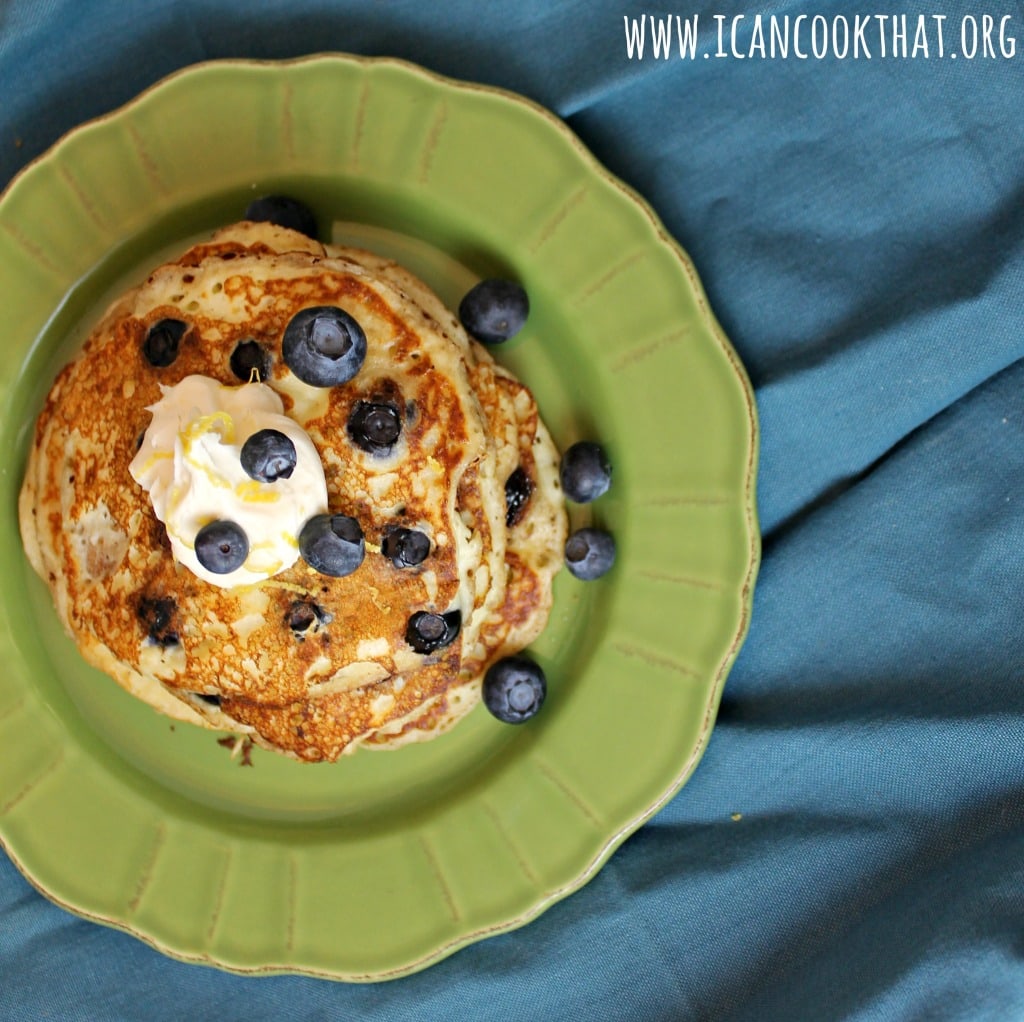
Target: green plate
385,862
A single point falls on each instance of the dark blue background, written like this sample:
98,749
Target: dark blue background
858,226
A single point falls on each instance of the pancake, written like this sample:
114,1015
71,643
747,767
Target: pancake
534,542
308,664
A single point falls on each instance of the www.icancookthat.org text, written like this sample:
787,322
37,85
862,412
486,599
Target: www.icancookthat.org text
820,37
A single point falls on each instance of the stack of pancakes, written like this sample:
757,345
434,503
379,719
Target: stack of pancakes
307,664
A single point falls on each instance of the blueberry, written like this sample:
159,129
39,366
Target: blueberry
221,547
249,356
303,614
285,212
585,472
518,489
427,632
268,455
158,616
374,427
332,544
494,310
324,346
514,689
405,548
589,553
162,341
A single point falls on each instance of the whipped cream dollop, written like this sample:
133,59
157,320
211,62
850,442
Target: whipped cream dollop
190,465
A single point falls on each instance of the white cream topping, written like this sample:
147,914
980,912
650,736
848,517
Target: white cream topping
190,465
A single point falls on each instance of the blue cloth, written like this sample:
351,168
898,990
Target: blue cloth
852,845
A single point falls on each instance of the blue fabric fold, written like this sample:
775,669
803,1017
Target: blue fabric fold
851,845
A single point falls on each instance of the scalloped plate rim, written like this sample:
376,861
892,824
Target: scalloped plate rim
748,497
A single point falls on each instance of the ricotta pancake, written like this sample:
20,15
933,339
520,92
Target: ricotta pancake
535,537
430,455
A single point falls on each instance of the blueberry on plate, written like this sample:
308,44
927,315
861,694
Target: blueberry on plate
324,346
221,546
332,544
247,358
494,310
427,632
585,472
285,212
268,455
375,427
405,548
589,553
162,341
514,689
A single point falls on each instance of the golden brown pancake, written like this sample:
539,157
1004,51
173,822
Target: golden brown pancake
534,542
308,664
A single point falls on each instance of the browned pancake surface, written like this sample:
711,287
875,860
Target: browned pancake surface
308,663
